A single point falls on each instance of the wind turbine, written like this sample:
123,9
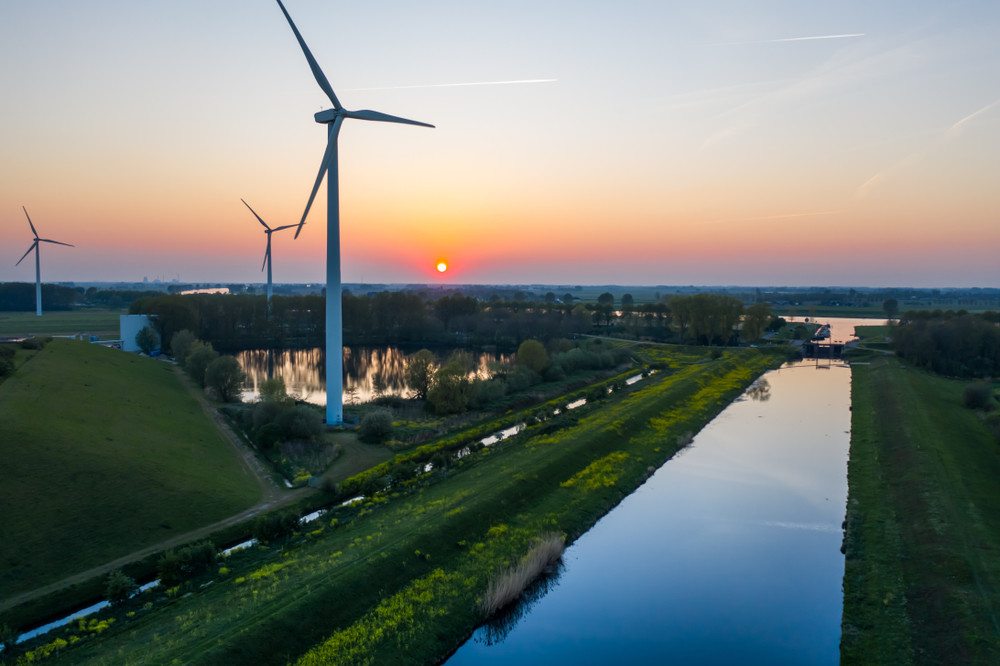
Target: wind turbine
38,269
333,118
267,253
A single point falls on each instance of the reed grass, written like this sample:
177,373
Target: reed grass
511,584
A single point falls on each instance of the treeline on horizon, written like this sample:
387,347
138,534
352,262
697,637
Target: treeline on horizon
20,297
952,343
234,322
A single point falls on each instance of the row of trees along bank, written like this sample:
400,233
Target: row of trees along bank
957,344
233,322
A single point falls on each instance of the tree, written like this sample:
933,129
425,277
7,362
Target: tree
420,371
119,587
199,356
273,390
450,389
147,339
890,306
756,320
225,376
605,307
532,354
180,345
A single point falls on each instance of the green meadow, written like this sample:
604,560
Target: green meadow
396,579
922,571
104,453
94,321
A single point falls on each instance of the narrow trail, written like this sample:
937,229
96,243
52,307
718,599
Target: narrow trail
271,496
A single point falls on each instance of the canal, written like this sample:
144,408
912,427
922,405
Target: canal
729,553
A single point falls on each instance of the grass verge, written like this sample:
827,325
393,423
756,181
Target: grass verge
922,572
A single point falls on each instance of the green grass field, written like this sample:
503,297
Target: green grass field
922,570
395,580
104,453
94,321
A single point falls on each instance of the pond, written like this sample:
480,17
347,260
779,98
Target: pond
366,369
729,553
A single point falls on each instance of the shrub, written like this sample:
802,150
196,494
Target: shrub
978,396
376,426
6,360
300,422
119,587
484,392
177,565
180,345
8,638
265,412
275,526
34,343
267,436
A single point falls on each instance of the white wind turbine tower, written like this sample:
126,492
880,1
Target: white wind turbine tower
333,118
38,269
267,253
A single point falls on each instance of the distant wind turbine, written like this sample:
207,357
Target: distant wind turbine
333,118
38,269
267,253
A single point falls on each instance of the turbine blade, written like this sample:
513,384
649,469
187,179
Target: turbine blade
267,255
331,148
366,114
287,226
48,240
256,215
33,245
29,221
313,65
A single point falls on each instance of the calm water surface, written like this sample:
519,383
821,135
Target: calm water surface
365,369
729,554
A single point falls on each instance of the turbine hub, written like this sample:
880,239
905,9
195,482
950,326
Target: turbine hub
327,116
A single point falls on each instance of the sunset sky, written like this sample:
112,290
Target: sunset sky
635,142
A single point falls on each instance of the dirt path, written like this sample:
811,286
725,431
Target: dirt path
271,496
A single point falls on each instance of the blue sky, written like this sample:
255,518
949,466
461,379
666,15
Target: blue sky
660,142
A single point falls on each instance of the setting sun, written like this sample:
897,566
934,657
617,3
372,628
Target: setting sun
442,267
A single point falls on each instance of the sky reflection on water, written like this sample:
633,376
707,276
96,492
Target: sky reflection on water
729,554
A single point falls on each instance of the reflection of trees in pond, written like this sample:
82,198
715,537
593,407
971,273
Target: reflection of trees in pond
760,390
501,623
368,371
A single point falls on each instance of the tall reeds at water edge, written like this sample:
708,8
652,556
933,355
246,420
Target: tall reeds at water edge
509,585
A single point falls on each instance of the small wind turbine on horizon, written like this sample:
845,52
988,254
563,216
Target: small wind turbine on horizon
267,253
38,269
333,118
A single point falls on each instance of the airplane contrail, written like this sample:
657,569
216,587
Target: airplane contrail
790,39
458,85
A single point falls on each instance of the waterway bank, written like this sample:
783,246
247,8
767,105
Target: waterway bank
730,553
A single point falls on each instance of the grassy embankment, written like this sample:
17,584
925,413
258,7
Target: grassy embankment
397,579
922,569
96,321
104,453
